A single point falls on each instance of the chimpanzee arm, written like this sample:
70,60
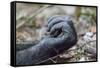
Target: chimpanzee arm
47,48
34,54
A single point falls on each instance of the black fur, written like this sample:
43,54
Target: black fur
62,37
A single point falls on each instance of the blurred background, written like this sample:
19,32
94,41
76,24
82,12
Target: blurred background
31,20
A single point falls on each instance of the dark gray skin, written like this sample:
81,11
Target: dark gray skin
62,37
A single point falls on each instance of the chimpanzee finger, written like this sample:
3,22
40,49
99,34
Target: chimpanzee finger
51,18
56,29
54,21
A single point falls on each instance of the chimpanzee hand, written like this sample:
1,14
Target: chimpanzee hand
62,33
58,24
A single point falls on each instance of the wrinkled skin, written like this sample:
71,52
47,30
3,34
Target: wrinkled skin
62,37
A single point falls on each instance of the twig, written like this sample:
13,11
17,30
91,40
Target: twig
31,17
48,59
52,60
